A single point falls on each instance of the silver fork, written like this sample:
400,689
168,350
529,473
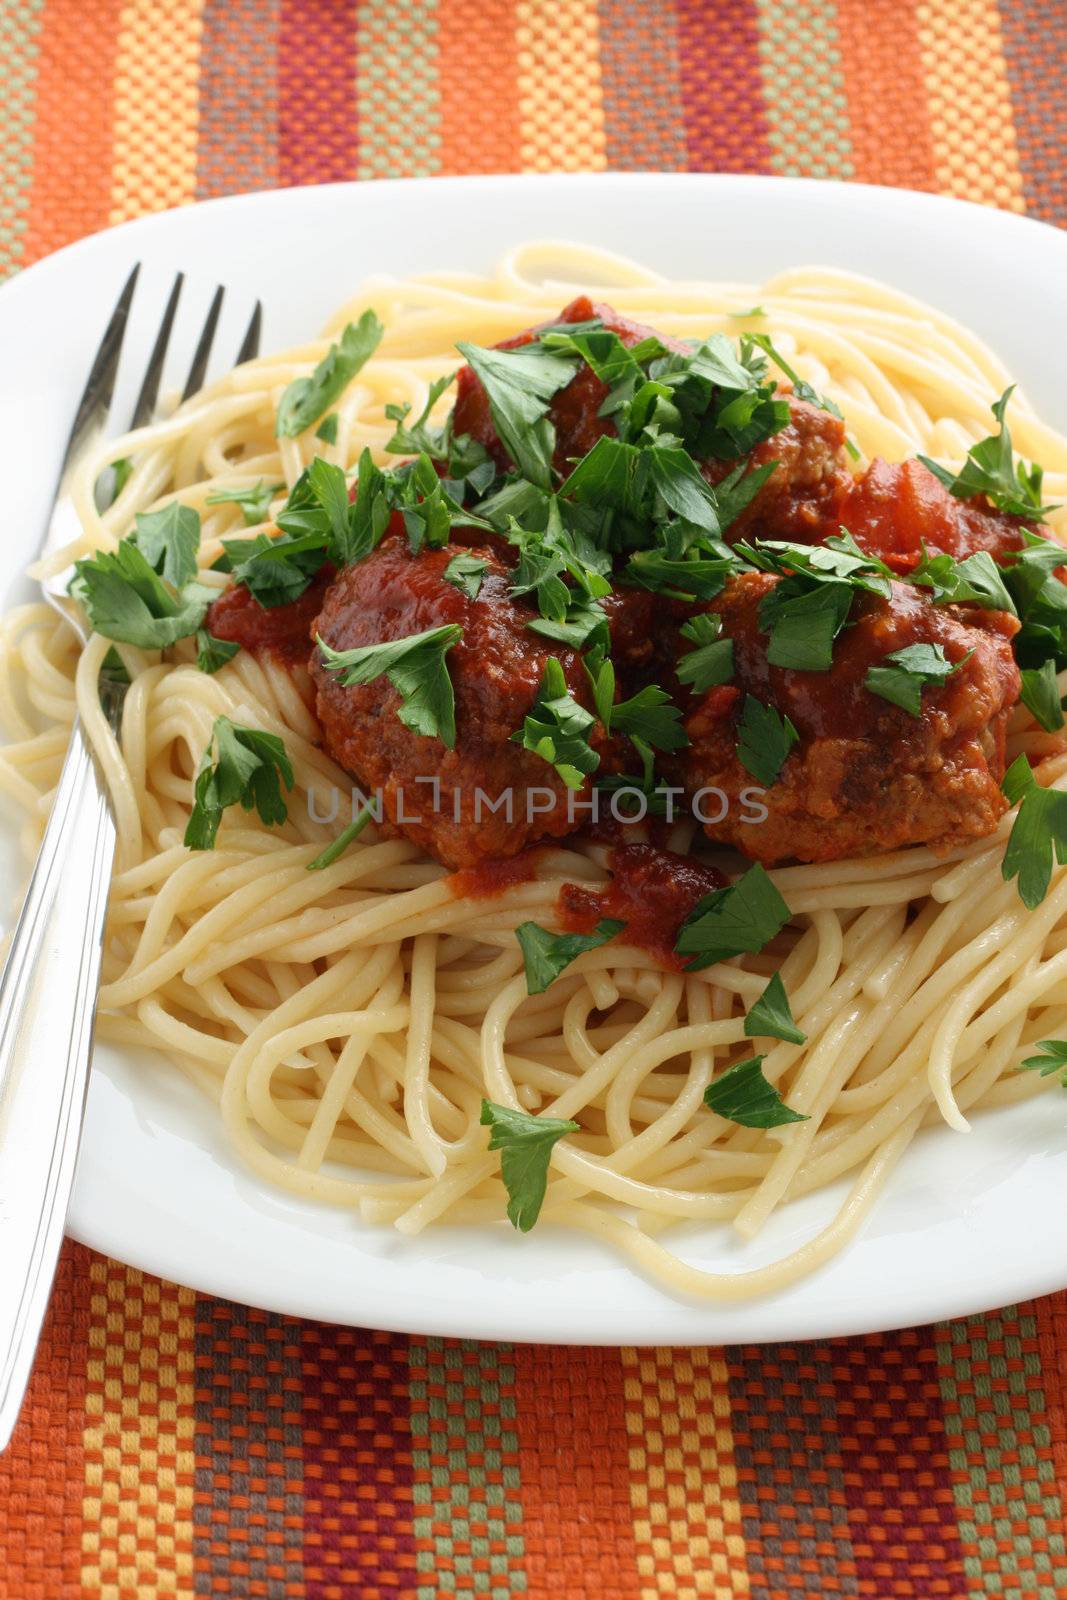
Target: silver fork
50,980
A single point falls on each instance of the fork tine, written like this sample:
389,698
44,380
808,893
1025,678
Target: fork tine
202,354
146,400
100,384
250,343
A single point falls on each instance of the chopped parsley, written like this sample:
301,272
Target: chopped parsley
650,716
976,580
991,470
416,668
169,540
764,740
255,502
801,388
520,385
1052,1061
771,1017
738,920
525,1144
465,573
420,438
212,653
904,675
742,1094
556,729
1041,696
1038,834
327,428
712,662
545,954
305,399
275,571
251,767
127,600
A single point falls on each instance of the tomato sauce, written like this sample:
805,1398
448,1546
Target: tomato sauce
651,890
283,631
494,876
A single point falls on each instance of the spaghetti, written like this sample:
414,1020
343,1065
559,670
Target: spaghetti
349,1022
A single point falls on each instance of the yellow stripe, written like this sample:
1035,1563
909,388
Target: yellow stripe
683,1480
137,1509
561,104
156,106
975,155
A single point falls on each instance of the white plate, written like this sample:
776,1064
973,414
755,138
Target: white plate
970,1221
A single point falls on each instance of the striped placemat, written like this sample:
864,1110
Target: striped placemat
174,1444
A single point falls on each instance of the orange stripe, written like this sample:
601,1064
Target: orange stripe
885,93
476,45
683,1479
137,1511
560,98
41,1471
70,194
573,1471
156,106
975,156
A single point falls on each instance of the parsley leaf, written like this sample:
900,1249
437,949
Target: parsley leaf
771,1017
212,653
712,663
556,727
1041,696
254,502
991,470
976,579
764,740
742,1094
169,540
327,428
1054,1060
420,438
689,579
903,675
545,954
305,399
649,715
526,1144
249,767
520,384
802,389
465,573
803,622
123,471
127,600
740,919
1038,833
277,570
416,668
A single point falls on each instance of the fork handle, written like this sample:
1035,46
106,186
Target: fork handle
47,1003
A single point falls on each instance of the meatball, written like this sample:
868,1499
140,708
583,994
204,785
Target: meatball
864,775
496,670
801,499
897,507
283,631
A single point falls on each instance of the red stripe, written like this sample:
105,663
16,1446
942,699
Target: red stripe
722,87
358,1537
898,1484
574,1471
42,1471
318,131
1051,1317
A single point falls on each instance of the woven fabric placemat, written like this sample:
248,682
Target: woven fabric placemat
174,1444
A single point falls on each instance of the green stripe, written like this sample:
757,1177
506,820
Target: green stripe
20,26
465,1452
1004,1477
399,100
804,89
